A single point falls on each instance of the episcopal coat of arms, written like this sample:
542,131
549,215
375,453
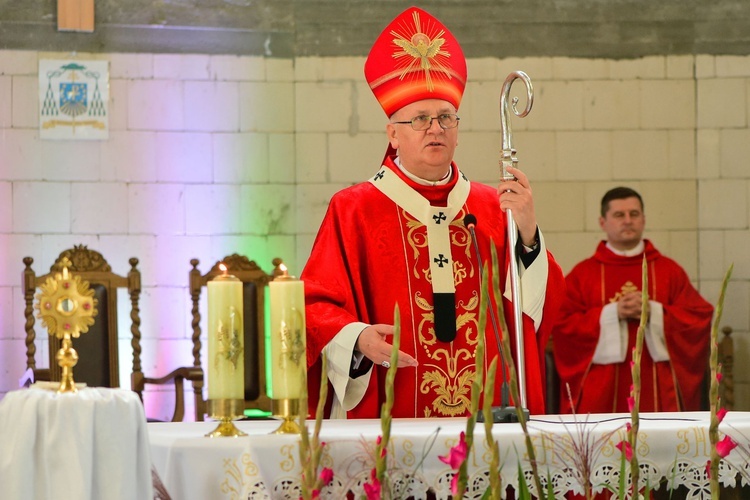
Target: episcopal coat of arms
73,99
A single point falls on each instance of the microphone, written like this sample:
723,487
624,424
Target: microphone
503,413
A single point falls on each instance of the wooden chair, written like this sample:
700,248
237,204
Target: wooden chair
254,281
99,358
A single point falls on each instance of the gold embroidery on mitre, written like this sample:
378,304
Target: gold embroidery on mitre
422,51
628,287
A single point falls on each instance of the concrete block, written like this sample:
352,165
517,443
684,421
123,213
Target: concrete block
267,209
667,104
568,68
712,263
570,248
324,107
267,107
20,155
311,152
6,314
538,68
675,211
163,311
730,66
183,157
99,208
354,159
118,104
212,106
707,153
237,68
25,103
69,160
156,209
129,156
611,105
240,158
279,70
312,204
13,361
640,154
282,246
644,68
281,158
308,69
722,103
680,67
131,66
549,200
173,253
156,105
722,204
304,246
368,113
480,109
557,106
212,209
681,154
734,151
6,96
584,155
735,251
13,248
182,66
336,69
41,207
118,249
705,66
261,249
19,62
6,207
683,248
482,69
478,156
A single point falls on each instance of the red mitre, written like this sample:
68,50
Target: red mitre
415,58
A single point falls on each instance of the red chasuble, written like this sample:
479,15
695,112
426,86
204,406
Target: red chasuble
666,385
371,254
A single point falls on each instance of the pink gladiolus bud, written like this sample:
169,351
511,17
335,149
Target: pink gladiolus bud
457,454
721,414
372,489
719,376
725,446
454,484
631,403
326,475
379,440
625,448
628,426
708,469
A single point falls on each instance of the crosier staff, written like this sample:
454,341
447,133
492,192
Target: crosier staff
509,159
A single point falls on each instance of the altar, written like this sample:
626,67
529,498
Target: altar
673,449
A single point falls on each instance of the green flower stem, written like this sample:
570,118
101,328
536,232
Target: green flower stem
385,412
506,352
713,429
489,393
636,375
310,449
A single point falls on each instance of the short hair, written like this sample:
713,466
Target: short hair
618,193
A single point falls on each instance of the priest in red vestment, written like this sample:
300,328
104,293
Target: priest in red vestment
600,318
400,238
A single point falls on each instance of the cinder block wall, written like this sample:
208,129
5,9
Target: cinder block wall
209,154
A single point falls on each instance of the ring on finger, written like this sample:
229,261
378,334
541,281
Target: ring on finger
385,364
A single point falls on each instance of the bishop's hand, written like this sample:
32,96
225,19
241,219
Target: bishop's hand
372,344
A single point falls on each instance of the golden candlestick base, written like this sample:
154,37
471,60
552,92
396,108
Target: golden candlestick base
288,411
67,358
226,410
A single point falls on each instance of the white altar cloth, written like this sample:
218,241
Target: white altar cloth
263,465
91,445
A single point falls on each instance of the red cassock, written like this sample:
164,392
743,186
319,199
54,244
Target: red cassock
370,254
671,385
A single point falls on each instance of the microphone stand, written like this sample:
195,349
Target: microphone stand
509,160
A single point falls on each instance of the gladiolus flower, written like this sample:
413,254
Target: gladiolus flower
372,489
725,446
457,454
708,469
631,403
721,414
719,376
625,448
454,484
326,475
628,426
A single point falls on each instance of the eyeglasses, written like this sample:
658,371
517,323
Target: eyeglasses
423,122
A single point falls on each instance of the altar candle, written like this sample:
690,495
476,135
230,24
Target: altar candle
288,343
226,350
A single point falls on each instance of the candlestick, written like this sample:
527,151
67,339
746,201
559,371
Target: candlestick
226,353
288,348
